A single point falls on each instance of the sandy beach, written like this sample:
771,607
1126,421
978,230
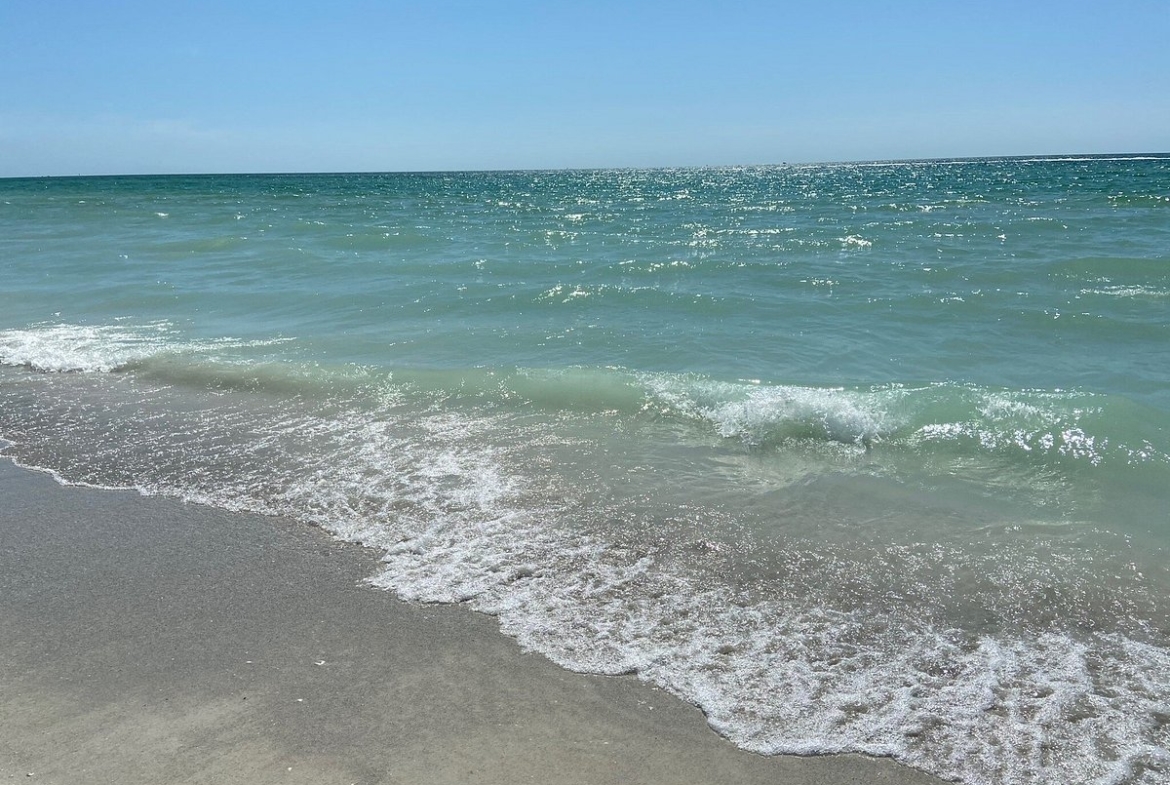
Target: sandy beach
143,640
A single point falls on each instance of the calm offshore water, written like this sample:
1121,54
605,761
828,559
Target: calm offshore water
859,458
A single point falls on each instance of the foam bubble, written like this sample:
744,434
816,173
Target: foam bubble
73,348
778,678
68,347
758,414
1129,292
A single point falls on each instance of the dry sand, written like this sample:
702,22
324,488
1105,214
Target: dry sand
149,641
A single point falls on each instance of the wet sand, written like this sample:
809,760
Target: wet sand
145,640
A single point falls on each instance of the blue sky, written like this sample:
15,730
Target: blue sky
144,87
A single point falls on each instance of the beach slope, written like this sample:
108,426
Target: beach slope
143,640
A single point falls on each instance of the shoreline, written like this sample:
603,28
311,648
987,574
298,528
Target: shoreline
145,640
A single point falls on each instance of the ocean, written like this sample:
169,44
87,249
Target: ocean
868,458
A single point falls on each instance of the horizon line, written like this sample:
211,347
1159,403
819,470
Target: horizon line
1024,157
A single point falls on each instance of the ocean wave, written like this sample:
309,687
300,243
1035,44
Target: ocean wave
1069,427
104,348
59,348
1135,292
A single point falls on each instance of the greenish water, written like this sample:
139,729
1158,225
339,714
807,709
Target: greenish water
869,458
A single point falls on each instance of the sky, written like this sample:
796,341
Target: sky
128,87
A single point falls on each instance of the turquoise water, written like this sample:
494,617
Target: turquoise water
859,458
